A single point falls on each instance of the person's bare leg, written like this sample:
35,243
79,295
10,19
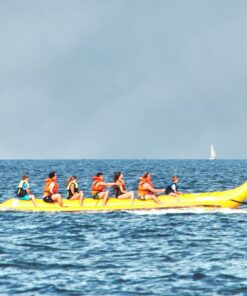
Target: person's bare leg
57,197
33,200
128,195
175,195
155,199
77,196
81,197
74,197
132,197
105,198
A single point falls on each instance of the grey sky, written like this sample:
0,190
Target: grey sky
123,79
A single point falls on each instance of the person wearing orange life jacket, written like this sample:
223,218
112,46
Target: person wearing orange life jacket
73,192
98,188
146,189
51,190
120,188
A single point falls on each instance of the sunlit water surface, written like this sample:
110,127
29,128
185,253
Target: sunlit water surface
174,252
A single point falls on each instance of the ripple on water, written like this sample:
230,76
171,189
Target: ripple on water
174,252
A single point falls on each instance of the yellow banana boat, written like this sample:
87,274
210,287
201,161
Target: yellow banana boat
232,198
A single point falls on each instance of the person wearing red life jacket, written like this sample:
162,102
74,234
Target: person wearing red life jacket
146,189
98,188
51,190
120,188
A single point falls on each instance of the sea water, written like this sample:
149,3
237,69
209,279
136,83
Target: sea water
158,252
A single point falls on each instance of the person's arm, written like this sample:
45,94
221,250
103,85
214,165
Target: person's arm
121,188
150,188
108,184
26,187
159,190
51,187
174,189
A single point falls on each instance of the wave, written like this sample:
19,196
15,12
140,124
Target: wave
188,211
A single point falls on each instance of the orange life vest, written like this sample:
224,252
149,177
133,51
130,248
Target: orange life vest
48,182
97,188
141,189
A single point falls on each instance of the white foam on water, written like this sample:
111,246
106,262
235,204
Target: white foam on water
190,211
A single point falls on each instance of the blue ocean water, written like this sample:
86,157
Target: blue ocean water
172,252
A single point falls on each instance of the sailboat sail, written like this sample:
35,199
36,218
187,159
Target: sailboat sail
212,153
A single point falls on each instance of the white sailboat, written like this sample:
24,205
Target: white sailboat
212,153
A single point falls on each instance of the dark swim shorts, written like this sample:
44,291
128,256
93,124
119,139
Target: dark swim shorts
47,199
95,195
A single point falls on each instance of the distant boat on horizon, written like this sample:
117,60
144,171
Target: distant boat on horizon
212,153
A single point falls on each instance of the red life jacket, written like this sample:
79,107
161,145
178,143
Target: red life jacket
97,188
48,182
141,189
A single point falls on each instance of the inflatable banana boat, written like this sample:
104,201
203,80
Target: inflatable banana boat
232,198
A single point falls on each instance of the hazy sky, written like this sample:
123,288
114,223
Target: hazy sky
123,78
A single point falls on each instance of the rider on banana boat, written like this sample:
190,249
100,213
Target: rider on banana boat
23,191
172,189
146,189
51,190
120,188
73,192
98,188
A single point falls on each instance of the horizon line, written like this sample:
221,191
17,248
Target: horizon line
2,159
